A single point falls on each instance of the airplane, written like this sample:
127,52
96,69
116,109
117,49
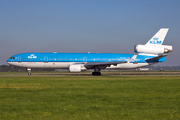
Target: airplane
151,53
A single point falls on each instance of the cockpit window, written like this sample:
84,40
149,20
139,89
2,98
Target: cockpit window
12,58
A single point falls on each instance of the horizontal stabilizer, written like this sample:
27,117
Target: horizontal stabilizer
155,58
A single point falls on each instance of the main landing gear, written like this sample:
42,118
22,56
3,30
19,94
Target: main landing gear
96,71
29,71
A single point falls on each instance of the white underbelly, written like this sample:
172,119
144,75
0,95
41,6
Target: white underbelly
128,66
65,65
61,65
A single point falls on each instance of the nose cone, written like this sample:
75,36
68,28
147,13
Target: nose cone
8,61
12,60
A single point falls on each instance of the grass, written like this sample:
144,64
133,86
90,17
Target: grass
88,97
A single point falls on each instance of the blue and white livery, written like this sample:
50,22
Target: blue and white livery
150,53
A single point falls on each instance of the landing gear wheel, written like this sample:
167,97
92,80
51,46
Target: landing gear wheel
96,73
93,73
99,73
29,74
29,71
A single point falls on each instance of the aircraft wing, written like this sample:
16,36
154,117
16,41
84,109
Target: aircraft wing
103,63
107,64
155,58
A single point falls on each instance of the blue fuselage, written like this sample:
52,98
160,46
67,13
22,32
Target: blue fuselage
78,57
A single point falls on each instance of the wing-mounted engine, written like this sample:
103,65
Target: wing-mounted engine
158,49
77,68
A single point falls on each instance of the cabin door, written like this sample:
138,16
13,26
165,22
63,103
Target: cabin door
85,59
46,59
19,59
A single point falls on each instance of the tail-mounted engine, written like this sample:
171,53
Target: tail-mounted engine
158,49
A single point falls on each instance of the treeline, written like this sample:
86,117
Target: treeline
164,68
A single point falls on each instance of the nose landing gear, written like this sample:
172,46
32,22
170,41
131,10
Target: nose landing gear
29,71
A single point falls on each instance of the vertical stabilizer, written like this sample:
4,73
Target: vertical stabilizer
158,38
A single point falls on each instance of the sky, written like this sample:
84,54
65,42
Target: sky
80,26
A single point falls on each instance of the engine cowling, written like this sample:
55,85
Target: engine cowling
77,68
161,49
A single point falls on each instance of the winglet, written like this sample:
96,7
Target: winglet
132,59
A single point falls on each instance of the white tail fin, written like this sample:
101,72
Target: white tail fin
158,38
154,45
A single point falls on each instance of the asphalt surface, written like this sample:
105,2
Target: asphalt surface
154,73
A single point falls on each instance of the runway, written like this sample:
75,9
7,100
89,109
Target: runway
104,73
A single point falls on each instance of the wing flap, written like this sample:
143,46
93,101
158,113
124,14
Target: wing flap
103,63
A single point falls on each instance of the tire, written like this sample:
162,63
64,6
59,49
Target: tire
99,73
29,74
96,73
